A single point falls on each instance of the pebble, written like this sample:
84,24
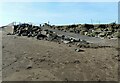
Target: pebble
30,58
77,50
29,67
76,61
69,45
17,70
3,46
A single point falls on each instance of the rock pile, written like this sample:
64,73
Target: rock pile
40,33
97,30
26,30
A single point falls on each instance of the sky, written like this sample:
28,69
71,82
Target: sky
59,13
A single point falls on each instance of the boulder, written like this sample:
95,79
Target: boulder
66,41
78,50
29,35
24,34
44,32
40,36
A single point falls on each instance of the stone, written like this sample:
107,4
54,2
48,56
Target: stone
78,44
76,39
30,58
66,42
3,46
29,67
17,70
69,45
84,42
15,59
78,50
76,61
44,32
41,36
9,34
29,35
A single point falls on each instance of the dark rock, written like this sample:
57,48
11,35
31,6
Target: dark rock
17,70
29,67
3,46
41,36
24,34
79,50
9,34
69,45
41,60
76,61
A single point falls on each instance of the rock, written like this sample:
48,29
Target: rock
24,34
30,58
18,34
119,60
72,40
78,50
76,61
76,39
69,45
41,36
41,60
17,70
15,59
44,32
78,44
29,67
24,53
83,42
34,34
29,35
9,34
3,46
66,42
59,43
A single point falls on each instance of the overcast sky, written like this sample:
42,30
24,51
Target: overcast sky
59,13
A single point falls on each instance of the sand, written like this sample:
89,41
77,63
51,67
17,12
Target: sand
29,59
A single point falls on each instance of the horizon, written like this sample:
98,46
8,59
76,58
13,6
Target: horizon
59,13
15,23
